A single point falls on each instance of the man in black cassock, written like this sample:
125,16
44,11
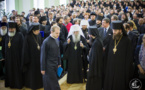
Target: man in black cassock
63,33
3,34
50,60
92,22
99,21
75,50
119,59
13,53
43,26
94,80
31,58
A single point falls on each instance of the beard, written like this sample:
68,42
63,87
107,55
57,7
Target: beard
117,36
11,34
3,32
60,25
76,38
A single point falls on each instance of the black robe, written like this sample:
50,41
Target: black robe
23,30
94,81
13,78
92,22
75,61
50,59
2,56
31,62
45,29
119,65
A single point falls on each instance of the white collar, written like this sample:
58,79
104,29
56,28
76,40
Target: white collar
52,36
50,20
107,28
128,32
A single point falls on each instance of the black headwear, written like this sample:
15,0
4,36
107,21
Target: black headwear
12,24
3,24
93,13
118,25
43,18
34,26
36,12
99,17
93,31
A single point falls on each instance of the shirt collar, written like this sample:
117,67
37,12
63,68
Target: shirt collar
128,32
52,36
107,28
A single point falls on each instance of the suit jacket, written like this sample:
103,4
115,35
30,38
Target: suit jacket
48,23
28,24
106,38
133,39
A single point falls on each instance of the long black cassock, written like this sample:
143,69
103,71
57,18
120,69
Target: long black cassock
95,74
119,65
50,59
75,62
31,62
13,78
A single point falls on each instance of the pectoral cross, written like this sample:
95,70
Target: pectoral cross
114,49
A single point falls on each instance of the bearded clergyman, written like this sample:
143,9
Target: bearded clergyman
13,53
119,59
76,49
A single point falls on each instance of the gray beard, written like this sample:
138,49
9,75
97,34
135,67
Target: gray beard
76,38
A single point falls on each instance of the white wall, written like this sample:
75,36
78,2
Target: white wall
26,6
10,5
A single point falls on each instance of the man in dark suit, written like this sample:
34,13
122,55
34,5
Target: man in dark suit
50,18
105,31
30,21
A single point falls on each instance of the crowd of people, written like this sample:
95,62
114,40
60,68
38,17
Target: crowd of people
98,42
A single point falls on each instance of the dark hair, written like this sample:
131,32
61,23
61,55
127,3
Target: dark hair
5,16
18,16
107,20
127,26
58,18
130,24
115,17
36,16
23,12
126,19
75,20
30,15
69,14
66,17
52,23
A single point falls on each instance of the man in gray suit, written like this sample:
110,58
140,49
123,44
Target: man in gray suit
105,32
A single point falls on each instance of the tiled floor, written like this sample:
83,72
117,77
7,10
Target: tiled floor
62,83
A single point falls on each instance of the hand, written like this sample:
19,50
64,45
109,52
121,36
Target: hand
142,71
81,44
68,41
92,36
103,48
88,41
59,65
2,59
42,72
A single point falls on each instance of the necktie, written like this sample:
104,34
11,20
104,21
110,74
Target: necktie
105,32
